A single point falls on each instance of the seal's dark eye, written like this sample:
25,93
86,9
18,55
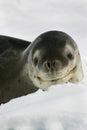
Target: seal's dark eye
70,56
35,61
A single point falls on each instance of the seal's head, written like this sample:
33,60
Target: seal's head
54,59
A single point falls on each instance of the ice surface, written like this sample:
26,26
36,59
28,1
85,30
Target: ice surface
62,107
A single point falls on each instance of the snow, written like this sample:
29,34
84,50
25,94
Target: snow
61,107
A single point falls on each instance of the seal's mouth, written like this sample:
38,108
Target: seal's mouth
69,75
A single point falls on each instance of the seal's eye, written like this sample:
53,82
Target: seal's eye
70,56
35,61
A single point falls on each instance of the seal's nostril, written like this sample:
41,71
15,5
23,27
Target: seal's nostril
55,64
51,65
47,65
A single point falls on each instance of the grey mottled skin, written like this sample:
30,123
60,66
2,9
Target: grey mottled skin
12,62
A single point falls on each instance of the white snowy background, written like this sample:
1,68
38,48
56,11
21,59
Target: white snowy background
62,107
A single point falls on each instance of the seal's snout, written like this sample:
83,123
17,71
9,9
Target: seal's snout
51,65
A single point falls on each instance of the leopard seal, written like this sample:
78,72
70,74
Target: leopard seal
52,58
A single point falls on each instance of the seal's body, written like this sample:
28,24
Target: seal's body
52,58
14,81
